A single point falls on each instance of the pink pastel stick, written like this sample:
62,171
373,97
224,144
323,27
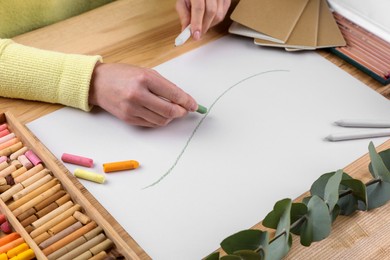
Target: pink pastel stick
4,132
3,159
76,159
32,157
7,137
3,126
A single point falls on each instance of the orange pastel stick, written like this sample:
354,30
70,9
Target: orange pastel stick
12,244
120,166
8,238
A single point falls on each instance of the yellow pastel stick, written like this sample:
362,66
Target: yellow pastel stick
90,176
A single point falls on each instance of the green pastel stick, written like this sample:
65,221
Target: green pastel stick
201,109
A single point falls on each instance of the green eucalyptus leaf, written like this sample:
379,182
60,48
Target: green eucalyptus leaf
251,239
377,194
358,189
279,247
335,212
213,256
331,193
249,255
298,212
385,155
378,167
318,187
348,204
318,223
273,218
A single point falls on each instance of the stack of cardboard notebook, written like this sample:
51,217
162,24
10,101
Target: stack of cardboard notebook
290,24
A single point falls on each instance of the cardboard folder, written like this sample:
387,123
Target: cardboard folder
274,18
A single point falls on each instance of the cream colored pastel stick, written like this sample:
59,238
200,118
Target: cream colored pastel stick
36,200
36,177
17,163
52,214
28,197
29,173
103,246
51,223
93,233
11,149
69,238
42,237
8,170
19,172
80,250
60,235
65,249
3,165
81,217
32,187
18,152
62,225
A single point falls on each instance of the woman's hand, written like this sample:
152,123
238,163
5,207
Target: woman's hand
201,14
137,95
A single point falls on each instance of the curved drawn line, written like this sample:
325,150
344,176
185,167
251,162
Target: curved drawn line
203,118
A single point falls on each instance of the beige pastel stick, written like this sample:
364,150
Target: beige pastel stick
36,200
60,235
8,170
101,256
28,197
103,246
19,152
3,165
19,172
11,149
32,187
69,238
81,217
62,225
5,196
16,163
42,237
49,200
93,233
52,214
67,248
28,173
84,247
3,181
45,227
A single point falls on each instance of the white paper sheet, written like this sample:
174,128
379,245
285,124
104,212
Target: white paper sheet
262,141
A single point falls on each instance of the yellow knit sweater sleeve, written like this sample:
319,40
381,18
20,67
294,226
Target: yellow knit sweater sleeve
34,74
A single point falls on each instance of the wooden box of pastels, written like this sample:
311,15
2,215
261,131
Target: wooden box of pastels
44,212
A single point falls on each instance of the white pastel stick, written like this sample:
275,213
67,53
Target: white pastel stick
183,36
371,123
358,135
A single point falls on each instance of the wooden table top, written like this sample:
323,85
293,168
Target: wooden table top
142,33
